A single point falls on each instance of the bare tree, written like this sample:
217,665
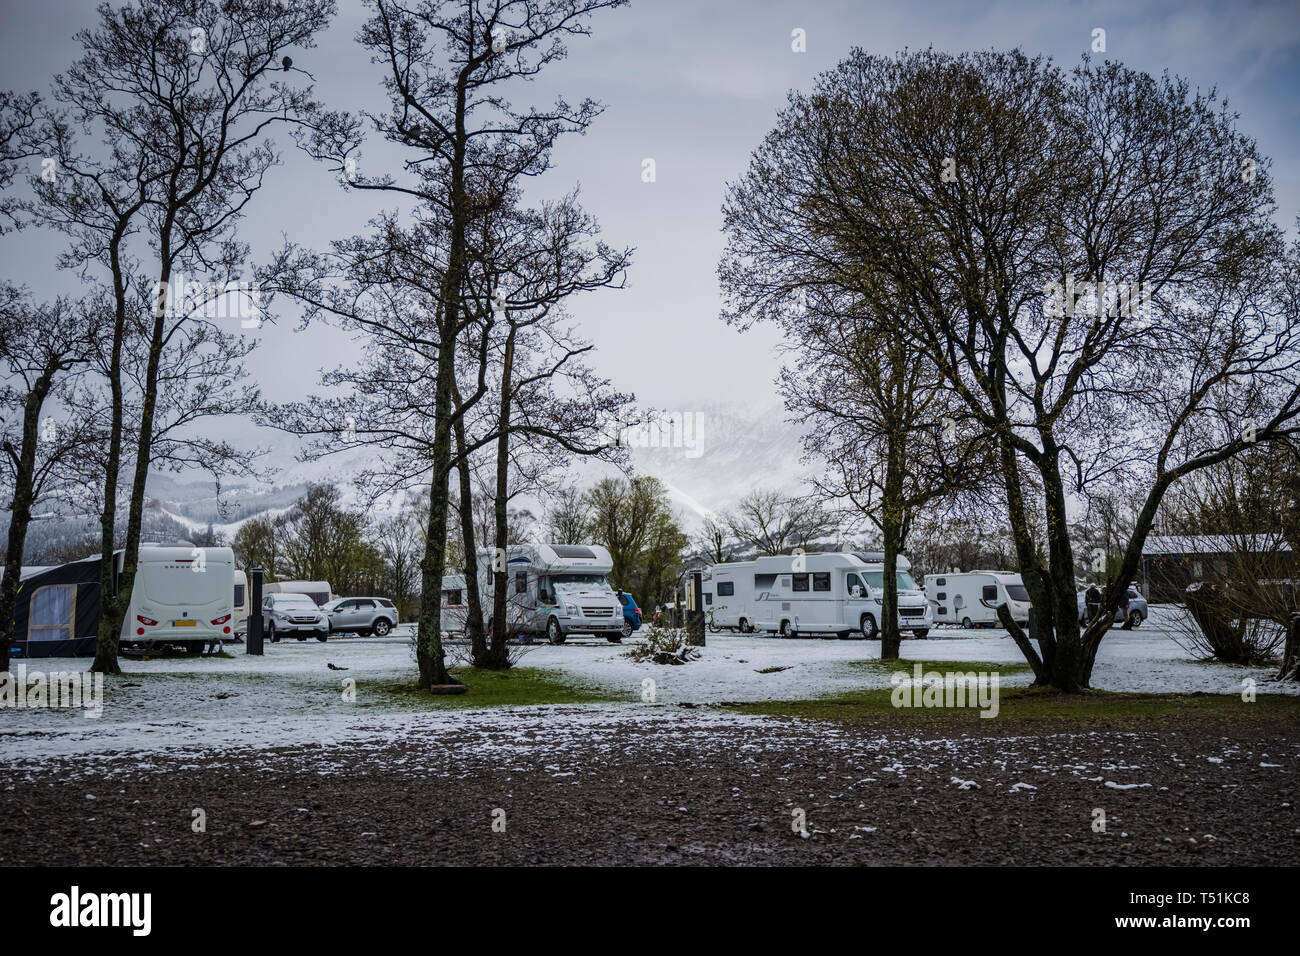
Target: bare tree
773,523
447,64
42,348
1089,259
181,95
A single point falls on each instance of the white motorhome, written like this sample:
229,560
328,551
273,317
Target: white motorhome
181,595
971,598
556,590
834,592
318,591
240,623
732,590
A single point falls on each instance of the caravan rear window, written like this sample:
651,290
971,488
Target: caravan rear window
53,613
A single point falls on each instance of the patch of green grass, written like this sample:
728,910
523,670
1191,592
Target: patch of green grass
1035,705
517,687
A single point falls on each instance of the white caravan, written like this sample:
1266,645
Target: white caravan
556,590
240,624
318,591
181,595
834,592
454,608
971,598
731,588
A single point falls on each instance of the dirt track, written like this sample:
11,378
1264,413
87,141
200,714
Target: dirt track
647,794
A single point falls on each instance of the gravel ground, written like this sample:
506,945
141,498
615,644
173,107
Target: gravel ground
677,786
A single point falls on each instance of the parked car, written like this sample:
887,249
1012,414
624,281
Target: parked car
293,615
631,613
361,615
1137,608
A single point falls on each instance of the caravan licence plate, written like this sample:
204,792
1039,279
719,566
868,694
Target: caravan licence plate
184,623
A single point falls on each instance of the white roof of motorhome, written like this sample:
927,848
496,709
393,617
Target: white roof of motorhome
561,557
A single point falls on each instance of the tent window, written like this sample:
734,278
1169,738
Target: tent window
53,613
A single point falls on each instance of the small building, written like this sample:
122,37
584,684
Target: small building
1171,562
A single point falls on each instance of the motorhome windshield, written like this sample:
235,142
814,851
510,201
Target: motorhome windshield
1018,592
578,578
876,579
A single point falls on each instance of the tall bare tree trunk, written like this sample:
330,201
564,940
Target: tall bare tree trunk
20,512
473,599
111,607
497,657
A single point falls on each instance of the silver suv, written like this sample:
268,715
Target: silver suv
293,615
361,615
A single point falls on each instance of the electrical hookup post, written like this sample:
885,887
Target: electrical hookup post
254,640
695,609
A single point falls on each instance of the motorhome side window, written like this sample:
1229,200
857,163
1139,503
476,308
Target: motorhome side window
521,582
708,598
764,582
799,582
942,596
989,592
726,588
821,581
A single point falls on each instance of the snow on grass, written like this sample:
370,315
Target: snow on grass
291,696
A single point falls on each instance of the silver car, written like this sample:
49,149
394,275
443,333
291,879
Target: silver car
361,615
1137,608
293,615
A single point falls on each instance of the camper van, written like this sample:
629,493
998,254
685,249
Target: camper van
318,591
556,590
181,595
730,592
836,592
971,598
241,603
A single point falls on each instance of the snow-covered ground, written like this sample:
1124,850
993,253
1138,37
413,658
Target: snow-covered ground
291,695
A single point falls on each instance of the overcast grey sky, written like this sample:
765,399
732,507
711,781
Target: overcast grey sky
695,85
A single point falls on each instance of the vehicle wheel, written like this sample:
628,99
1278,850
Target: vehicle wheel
965,622
923,633
270,632
614,638
554,634
323,637
743,626
787,629
1134,618
381,627
302,637
627,629
844,635
194,648
713,628
868,627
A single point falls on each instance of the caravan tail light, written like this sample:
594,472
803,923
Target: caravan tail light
146,621
222,620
